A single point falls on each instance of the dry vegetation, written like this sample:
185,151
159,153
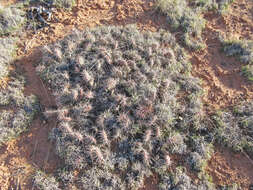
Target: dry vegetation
243,50
120,105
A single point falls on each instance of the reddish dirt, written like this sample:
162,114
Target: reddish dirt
221,75
20,158
227,168
91,14
238,22
151,183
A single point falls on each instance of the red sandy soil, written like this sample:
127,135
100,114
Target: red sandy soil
227,168
20,158
221,75
221,78
91,14
239,21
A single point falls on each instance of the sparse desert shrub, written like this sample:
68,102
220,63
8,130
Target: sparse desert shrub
218,5
186,16
248,72
236,125
20,113
99,179
182,16
44,182
58,3
7,47
17,110
11,19
201,145
13,94
180,180
118,113
224,4
195,161
243,49
66,175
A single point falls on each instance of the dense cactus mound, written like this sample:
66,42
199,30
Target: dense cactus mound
119,117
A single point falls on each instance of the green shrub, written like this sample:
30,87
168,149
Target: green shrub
186,16
16,109
248,72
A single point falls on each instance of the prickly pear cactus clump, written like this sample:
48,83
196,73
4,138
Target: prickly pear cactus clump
119,118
